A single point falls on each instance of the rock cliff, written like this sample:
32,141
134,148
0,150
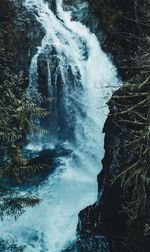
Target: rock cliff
120,215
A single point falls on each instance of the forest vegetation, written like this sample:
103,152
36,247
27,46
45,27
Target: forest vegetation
15,112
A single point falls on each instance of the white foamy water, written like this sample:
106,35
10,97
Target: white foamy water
51,226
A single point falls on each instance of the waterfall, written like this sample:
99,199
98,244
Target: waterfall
80,83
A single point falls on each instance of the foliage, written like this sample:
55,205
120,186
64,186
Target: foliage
9,245
15,112
132,115
134,104
126,28
12,203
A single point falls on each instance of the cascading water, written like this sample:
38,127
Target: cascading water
82,74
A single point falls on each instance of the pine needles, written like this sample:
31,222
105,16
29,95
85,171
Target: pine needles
133,103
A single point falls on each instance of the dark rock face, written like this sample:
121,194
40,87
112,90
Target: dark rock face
27,36
106,217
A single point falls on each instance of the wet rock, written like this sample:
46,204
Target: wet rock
22,36
82,11
79,8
